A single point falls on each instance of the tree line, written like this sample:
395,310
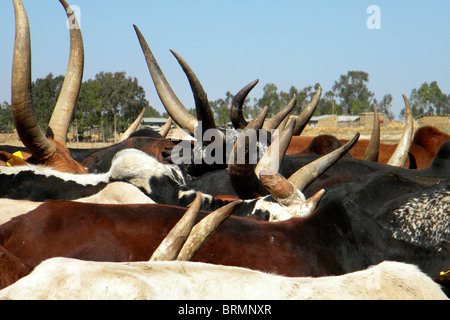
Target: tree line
349,95
112,101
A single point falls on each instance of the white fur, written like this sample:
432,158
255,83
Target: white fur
279,212
63,278
83,179
136,167
130,165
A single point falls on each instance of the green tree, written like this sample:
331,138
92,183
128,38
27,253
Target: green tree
6,118
302,96
221,109
416,106
285,97
446,104
88,111
107,100
328,105
151,112
431,98
120,97
271,99
385,105
428,99
45,93
352,91
110,100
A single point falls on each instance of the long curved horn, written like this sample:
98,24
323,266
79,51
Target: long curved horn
275,121
284,192
204,112
275,152
28,130
133,127
236,114
400,154
203,230
241,172
168,98
171,245
306,114
278,186
62,113
372,150
308,173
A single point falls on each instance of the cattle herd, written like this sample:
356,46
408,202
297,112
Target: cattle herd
257,212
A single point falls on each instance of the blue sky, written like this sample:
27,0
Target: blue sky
231,43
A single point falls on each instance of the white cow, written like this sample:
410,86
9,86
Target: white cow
64,278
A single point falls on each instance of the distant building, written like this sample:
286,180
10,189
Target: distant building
348,121
155,124
335,121
328,120
366,119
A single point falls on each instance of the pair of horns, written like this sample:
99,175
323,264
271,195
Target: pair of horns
185,239
169,99
28,130
245,178
204,113
398,158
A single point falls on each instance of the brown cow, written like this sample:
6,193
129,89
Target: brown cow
46,151
424,146
55,276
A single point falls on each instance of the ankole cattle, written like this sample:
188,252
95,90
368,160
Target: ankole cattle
49,149
356,224
45,151
330,216
161,278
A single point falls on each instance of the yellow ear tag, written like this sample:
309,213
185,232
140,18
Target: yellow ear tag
17,154
443,273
